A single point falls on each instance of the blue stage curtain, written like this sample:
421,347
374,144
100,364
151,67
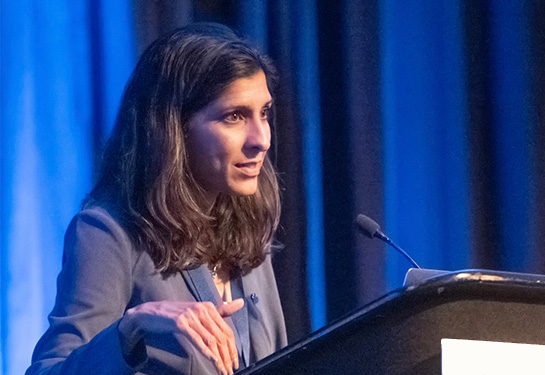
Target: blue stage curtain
513,133
307,91
64,64
426,157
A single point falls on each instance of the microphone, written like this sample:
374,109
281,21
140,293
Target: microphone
371,229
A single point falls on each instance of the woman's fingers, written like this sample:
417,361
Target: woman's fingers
197,340
214,333
220,345
201,322
203,340
215,324
225,329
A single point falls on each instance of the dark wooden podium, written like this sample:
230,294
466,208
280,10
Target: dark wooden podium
401,332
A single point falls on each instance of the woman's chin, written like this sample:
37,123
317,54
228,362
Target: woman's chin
244,188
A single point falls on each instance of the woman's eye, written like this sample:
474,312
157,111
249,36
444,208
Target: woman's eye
233,117
265,113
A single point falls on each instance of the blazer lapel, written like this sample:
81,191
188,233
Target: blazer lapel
196,280
240,318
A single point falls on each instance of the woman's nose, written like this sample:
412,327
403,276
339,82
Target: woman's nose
258,136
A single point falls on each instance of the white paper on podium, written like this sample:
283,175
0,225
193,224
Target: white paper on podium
470,357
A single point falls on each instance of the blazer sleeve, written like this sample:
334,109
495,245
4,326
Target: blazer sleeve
93,291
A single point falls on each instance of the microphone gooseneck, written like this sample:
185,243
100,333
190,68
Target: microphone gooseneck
371,229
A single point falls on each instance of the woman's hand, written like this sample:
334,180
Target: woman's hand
201,322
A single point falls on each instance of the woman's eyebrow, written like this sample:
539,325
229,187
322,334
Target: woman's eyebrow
244,108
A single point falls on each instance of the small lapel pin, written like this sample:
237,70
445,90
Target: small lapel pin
254,298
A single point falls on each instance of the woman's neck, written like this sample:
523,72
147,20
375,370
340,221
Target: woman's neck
223,284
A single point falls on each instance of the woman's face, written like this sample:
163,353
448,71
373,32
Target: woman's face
227,140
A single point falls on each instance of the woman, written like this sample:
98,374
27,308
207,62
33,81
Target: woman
167,267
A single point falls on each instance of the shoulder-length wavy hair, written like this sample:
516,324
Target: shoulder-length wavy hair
145,171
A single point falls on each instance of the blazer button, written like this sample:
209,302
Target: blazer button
254,298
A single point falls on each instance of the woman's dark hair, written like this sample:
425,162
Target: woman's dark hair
145,171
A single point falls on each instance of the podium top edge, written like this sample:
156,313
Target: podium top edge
416,277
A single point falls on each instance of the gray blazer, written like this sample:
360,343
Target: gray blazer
103,275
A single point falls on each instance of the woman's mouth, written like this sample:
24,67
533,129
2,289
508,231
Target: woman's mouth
250,169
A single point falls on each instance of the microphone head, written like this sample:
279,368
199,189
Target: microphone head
368,226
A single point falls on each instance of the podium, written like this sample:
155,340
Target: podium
400,333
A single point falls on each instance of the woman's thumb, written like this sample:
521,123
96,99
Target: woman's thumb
229,308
